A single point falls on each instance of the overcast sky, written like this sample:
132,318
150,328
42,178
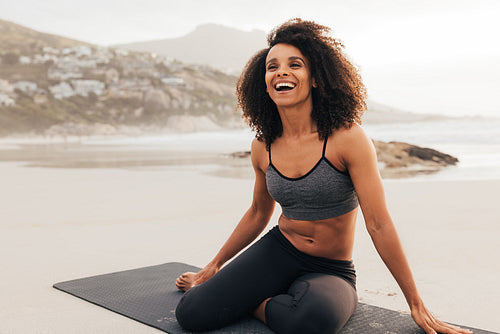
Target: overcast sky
401,28
378,34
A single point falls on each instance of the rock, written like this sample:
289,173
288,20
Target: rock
429,154
155,100
397,159
240,154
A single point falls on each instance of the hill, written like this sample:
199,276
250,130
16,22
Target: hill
228,50
50,82
20,40
225,48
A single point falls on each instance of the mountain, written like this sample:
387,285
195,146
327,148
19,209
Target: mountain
224,48
17,39
229,49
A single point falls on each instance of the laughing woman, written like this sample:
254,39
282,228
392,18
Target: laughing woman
304,99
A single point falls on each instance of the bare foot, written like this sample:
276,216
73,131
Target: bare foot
185,281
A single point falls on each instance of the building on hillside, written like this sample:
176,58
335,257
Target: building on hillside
84,87
62,90
78,50
6,100
26,86
62,74
173,81
49,49
73,63
42,59
24,60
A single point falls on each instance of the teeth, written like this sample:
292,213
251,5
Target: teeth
285,84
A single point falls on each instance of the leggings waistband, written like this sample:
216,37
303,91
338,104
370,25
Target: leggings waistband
314,264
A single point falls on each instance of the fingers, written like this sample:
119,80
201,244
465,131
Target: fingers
425,319
450,329
444,328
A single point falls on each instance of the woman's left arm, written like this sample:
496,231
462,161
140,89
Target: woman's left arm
359,157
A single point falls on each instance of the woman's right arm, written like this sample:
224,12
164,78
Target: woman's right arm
253,221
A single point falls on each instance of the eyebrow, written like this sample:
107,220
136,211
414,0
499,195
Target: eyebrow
290,58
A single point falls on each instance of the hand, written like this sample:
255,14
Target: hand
205,274
425,319
189,279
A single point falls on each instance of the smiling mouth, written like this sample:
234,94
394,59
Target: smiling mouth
284,86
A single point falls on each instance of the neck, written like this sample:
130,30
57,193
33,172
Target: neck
297,120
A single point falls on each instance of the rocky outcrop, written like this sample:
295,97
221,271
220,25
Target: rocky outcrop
156,100
397,159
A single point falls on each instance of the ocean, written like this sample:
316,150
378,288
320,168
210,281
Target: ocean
474,141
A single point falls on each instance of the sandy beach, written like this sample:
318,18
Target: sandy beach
59,224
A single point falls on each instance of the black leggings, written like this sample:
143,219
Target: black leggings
309,294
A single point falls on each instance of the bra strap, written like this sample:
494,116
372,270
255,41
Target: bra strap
324,147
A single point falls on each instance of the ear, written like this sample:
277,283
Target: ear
314,84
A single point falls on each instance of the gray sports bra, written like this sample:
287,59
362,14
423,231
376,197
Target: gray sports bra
323,192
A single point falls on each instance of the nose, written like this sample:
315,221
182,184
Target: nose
281,73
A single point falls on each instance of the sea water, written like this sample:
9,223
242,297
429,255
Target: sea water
474,141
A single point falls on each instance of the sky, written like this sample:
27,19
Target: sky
444,52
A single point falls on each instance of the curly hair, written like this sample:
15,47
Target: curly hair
338,99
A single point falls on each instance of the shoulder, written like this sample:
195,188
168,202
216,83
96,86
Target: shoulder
353,133
353,143
352,137
259,154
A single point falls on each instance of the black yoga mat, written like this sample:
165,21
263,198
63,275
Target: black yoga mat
149,296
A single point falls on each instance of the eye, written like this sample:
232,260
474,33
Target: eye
295,65
271,67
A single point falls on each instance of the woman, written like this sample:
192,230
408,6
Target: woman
304,99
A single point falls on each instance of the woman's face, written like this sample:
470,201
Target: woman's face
288,77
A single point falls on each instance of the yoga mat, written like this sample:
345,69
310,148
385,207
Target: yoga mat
149,295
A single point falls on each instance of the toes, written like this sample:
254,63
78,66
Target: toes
185,281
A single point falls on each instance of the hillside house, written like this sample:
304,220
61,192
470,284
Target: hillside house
62,90
24,60
26,86
84,87
173,81
6,100
49,49
61,74
78,50
42,59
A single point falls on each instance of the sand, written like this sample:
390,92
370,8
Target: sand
58,224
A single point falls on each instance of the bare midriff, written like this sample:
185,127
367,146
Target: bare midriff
331,238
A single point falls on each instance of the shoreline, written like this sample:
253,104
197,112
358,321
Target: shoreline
226,153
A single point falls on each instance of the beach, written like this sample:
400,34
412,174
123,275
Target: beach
78,210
